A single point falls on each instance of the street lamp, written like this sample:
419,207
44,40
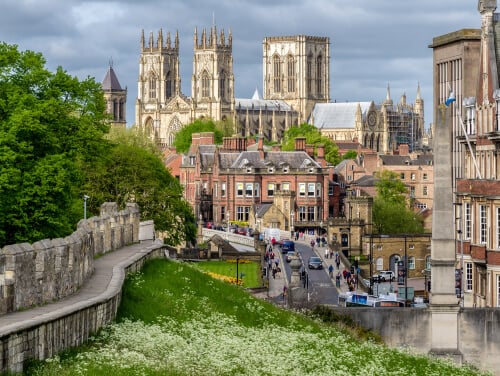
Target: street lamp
228,223
460,239
292,213
85,197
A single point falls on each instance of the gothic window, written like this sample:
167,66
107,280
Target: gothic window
482,224
222,84
467,220
319,74
121,115
309,73
116,111
291,74
152,87
205,85
168,86
277,74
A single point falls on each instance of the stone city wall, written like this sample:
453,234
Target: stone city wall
47,335
50,269
411,328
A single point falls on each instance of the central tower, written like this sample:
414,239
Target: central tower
297,70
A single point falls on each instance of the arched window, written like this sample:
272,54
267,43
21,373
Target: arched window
222,84
309,73
319,75
152,87
277,74
205,85
291,73
168,86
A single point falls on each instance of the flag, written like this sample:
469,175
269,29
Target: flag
450,99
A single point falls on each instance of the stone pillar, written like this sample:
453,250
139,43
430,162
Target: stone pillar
444,303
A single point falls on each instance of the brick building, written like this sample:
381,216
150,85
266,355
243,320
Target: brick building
246,182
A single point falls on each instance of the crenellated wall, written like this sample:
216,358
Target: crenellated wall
50,269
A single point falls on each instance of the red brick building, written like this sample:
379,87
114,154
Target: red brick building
246,182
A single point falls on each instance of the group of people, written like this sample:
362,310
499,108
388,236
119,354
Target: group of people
351,279
273,262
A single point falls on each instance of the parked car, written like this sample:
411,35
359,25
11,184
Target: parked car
315,263
385,276
289,255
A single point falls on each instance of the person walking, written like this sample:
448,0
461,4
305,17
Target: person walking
327,252
330,270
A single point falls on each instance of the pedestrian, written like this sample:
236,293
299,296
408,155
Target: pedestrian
338,279
331,253
330,270
284,292
312,244
327,252
277,261
274,271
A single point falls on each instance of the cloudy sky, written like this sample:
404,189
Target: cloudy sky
373,42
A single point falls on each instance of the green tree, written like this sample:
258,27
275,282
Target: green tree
313,137
351,154
50,125
390,213
183,138
132,171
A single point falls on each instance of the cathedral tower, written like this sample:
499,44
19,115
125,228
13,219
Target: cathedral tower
115,97
213,78
158,84
297,70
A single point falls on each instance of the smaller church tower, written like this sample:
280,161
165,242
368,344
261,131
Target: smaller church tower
213,78
115,97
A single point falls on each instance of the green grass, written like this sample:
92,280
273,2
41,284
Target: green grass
175,320
248,272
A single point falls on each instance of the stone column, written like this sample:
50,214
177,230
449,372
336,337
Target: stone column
444,303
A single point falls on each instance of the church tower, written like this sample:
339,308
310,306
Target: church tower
297,70
115,97
159,84
213,78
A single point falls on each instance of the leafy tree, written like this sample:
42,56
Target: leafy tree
313,137
50,125
390,213
183,138
351,154
132,171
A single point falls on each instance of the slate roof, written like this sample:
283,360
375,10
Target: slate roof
257,103
337,115
110,82
401,160
293,159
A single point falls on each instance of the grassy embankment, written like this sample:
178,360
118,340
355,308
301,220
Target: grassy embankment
175,320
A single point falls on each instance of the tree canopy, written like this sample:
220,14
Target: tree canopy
313,137
54,149
183,138
50,123
390,213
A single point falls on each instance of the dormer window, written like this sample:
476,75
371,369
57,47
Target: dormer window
249,170
191,160
311,170
270,170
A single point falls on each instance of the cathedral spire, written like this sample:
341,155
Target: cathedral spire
142,39
177,40
159,42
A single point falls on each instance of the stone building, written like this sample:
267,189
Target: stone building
115,97
296,76
381,128
297,71
478,202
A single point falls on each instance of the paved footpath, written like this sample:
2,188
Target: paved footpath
107,277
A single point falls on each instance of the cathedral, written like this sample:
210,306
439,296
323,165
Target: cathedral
296,77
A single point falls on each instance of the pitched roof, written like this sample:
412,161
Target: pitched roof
294,159
110,82
337,115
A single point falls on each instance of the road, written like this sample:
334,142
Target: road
318,283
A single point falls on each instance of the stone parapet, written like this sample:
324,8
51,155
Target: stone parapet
50,269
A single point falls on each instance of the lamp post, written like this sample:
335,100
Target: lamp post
371,264
228,223
292,213
460,239
237,273
85,197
